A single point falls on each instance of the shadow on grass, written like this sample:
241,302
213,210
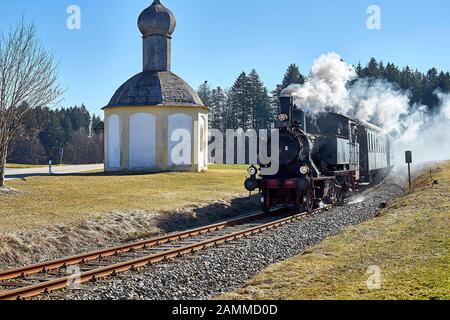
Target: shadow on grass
24,176
213,213
106,174
98,173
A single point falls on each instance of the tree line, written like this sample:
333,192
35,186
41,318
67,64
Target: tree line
421,86
248,104
63,136
67,135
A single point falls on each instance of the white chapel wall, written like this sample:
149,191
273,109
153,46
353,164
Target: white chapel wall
114,142
180,140
142,141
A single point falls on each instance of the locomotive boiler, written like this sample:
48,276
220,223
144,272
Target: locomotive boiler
321,158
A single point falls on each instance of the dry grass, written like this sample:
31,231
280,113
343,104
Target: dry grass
410,242
71,199
49,217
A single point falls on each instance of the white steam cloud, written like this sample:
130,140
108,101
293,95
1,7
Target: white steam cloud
377,101
445,104
326,86
333,86
427,136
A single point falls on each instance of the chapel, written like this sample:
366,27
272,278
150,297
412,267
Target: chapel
155,121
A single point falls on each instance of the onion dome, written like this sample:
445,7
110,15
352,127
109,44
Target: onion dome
156,89
156,85
157,20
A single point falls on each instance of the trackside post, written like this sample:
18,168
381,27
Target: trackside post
408,156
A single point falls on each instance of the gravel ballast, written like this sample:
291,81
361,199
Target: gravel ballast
223,269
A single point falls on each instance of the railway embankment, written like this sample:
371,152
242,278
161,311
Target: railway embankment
404,253
224,268
50,217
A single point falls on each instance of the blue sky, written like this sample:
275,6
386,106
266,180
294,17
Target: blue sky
217,39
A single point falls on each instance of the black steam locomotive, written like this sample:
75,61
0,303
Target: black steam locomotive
321,159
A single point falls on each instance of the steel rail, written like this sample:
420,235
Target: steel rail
92,275
148,243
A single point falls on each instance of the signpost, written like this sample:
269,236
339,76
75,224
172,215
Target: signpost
408,157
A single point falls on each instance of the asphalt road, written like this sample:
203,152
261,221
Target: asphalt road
12,174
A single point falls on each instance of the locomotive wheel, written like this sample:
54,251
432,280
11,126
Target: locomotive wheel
339,194
309,203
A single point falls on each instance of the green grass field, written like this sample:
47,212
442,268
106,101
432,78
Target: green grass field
409,242
64,199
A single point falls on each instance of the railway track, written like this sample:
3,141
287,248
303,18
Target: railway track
34,280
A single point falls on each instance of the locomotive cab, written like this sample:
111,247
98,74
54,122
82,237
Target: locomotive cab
336,146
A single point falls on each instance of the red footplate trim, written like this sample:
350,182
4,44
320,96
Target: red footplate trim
280,183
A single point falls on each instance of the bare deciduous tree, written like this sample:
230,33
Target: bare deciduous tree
28,79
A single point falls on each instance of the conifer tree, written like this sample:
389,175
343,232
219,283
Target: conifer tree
240,113
259,102
204,92
218,110
292,76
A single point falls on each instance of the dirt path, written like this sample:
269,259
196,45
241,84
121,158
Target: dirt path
12,174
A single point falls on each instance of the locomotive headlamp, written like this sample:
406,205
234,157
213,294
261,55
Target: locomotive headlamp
304,169
252,170
282,117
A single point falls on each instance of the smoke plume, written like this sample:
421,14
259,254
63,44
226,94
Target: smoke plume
333,85
326,87
427,136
